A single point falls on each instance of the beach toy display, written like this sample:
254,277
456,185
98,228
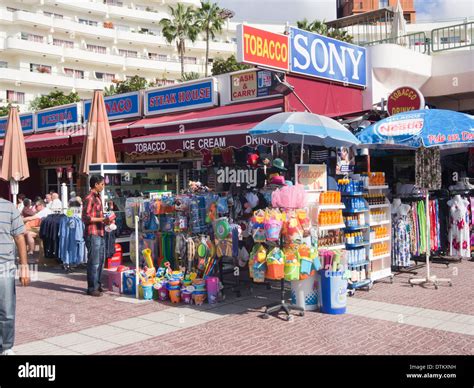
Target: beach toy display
275,264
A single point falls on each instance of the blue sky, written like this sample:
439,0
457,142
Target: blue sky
280,11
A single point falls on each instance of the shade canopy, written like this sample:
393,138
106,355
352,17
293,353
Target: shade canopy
306,128
14,159
421,128
98,145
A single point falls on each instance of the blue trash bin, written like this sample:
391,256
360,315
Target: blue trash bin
333,292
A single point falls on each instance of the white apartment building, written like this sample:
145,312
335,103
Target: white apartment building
82,45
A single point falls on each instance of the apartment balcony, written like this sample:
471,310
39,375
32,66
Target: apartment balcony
16,76
33,48
98,8
87,56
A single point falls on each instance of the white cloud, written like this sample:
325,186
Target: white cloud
443,9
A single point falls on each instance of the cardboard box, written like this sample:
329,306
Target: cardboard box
114,280
113,262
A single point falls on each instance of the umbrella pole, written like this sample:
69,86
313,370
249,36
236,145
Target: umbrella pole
14,190
302,149
137,269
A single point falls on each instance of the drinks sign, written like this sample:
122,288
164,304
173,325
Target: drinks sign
312,176
405,99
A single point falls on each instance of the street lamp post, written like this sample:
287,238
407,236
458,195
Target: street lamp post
59,174
70,171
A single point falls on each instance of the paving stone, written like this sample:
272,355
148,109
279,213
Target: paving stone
132,323
159,316
129,337
70,339
157,329
93,347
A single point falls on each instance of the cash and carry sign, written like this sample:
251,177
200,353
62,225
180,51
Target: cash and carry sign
27,123
192,95
251,84
303,52
119,107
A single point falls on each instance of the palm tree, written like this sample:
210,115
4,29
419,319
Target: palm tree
180,27
321,28
210,20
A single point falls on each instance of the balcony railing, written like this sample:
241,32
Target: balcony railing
416,42
459,36
452,37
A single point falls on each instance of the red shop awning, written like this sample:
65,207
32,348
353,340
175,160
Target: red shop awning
119,131
231,135
243,112
46,140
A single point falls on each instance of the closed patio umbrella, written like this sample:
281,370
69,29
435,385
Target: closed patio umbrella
98,145
14,159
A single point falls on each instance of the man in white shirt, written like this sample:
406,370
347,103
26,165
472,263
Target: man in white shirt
41,212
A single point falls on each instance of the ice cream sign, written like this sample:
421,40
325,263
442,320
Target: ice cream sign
303,52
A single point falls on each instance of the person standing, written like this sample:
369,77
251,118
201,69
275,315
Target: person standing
94,220
11,233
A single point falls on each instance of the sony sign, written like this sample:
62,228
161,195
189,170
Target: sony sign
319,56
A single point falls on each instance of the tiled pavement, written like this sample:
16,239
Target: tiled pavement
55,317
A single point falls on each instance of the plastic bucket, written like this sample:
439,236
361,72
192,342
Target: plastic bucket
275,271
212,285
333,291
175,295
199,297
147,292
186,297
305,293
163,293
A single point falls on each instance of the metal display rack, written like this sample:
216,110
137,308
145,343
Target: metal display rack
381,266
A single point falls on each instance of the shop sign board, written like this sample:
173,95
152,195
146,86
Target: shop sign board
56,161
262,48
119,107
250,85
27,123
345,160
186,96
189,143
405,99
57,117
318,56
313,177
303,52
400,128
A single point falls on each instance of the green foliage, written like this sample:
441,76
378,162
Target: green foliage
190,76
55,98
321,28
4,110
210,19
181,26
132,84
222,66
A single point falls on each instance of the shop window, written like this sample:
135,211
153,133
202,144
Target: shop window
383,3
190,60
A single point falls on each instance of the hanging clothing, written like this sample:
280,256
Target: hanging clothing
428,168
49,233
71,240
401,233
459,235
